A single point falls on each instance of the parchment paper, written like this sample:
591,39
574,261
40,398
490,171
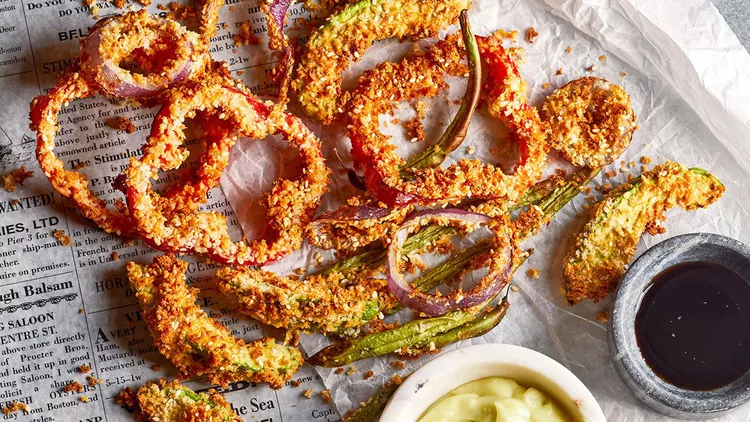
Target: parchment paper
687,76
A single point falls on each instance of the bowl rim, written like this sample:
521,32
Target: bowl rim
444,373
630,365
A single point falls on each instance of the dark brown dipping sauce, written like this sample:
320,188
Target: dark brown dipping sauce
693,326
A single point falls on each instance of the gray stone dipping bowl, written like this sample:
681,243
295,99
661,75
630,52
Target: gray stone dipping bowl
626,356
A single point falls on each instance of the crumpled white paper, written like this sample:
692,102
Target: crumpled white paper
686,73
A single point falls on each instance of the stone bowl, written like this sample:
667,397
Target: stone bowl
626,356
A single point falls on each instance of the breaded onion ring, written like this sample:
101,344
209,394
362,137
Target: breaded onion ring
171,53
419,76
590,121
291,203
349,33
74,185
194,342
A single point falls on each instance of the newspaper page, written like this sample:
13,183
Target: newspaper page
64,306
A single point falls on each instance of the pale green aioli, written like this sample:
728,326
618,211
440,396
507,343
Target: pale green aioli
495,399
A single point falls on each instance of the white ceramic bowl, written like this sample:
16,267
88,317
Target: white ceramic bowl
528,367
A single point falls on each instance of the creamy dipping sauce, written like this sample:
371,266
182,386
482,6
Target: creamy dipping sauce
495,399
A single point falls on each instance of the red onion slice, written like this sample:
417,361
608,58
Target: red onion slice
434,305
101,65
277,40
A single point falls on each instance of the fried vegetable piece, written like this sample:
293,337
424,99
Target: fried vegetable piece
326,303
166,401
590,121
196,343
608,241
349,33
424,335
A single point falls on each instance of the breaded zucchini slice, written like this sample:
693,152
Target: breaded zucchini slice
324,303
606,245
196,343
166,401
346,36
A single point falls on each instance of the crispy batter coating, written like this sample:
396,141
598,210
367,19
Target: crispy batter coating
325,303
608,241
290,204
348,34
356,224
74,185
194,342
161,47
590,121
418,76
165,401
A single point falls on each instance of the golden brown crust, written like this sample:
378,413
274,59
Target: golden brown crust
194,342
608,241
590,121
418,76
165,401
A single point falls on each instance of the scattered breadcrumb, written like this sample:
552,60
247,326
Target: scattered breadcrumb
246,36
631,164
591,68
610,174
326,394
73,386
156,367
351,371
513,35
533,273
645,160
603,316
115,256
127,399
398,364
84,399
61,237
16,177
308,393
368,375
296,383
602,58
513,288
531,35
569,49
644,168
546,85
15,407
586,190
414,127
80,310
339,371
85,369
122,123
559,71
471,149
79,165
178,11
93,381
623,74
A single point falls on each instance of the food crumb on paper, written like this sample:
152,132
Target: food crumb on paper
61,237
531,35
15,407
351,371
533,273
122,123
73,386
602,58
339,371
398,364
368,374
603,316
84,369
84,399
559,71
326,394
308,393
15,178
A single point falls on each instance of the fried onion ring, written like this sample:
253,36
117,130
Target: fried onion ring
291,203
171,53
419,76
349,33
590,121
